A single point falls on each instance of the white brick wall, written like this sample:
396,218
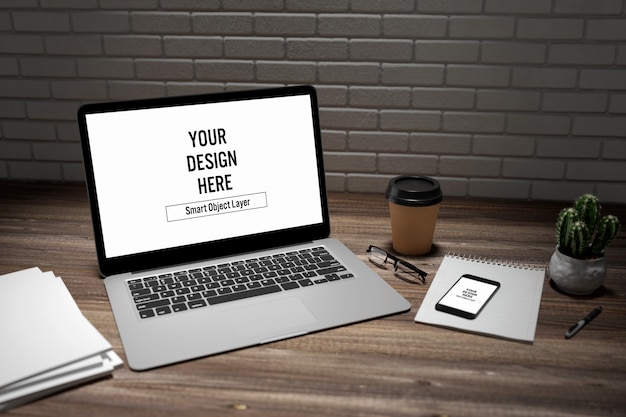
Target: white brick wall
495,98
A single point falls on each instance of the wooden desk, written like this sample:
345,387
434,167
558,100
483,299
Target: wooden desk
386,367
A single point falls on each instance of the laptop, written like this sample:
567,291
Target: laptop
211,224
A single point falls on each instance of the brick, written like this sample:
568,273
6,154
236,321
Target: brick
478,76
575,102
48,67
350,162
469,166
363,183
285,24
446,51
353,119
21,44
542,29
439,143
193,46
332,96
544,77
539,124
412,74
474,27
73,171
12,109
381,50
468,122
450,6
9,66
24,88
497,145
222,23
132,90
507,100
377,97
608,126
517,7
404,164
414,27
35,170
621,55
266,48
512,53
194,5
376,6
603,79
315,49
79,90
57,152
73,45
68,4
499,188
352,25
161,23
129,4
606,30
286,72
410,120
453,187
611,193
533,168
164,70
596,170
52,110
67,131
5,22
618,103
566,191
335,140
133,46
335,182
224,70
586,8
568,147
581,54
15,150
28,130
41,21
106,68
348,73
443,98
378,142
322,6
101,22
188,88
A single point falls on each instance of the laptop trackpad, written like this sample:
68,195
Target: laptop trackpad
272,320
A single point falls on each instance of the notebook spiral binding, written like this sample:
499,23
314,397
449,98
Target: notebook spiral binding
483,260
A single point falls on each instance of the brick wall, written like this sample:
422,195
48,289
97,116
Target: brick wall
495,98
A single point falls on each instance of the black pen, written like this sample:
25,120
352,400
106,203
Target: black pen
582,323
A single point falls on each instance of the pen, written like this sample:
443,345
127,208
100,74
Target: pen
582,323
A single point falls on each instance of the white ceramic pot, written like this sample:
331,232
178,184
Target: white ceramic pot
576,276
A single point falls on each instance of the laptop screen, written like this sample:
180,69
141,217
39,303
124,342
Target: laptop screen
204,169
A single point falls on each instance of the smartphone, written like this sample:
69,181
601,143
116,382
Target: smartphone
468,296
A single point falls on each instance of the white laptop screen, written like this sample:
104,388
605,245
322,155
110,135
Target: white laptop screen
185,174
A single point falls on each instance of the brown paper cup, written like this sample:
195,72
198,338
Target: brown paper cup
413,208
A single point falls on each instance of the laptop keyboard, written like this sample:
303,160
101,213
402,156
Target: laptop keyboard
160,295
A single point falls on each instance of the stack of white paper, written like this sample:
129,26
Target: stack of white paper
47,344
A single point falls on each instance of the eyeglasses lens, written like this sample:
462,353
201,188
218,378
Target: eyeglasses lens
378,257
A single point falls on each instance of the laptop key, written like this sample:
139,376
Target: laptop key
243,294
153,304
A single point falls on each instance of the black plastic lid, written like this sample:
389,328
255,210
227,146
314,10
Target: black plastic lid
414,191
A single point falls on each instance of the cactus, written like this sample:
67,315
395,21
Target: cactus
607,230
581,232
588,208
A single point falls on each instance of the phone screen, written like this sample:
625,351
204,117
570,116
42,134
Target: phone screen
468,296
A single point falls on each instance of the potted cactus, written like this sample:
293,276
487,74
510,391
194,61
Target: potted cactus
578,265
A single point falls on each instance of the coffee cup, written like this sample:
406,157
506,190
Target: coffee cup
413,208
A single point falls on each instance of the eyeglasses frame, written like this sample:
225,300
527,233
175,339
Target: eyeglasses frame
421,274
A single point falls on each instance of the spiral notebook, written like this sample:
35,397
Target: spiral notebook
511,313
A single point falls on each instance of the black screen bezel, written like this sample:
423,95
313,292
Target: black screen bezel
196,252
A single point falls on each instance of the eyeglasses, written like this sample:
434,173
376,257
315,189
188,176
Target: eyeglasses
403,270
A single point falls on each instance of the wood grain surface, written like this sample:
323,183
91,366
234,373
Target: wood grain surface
386,367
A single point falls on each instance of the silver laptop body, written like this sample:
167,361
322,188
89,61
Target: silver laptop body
190,193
